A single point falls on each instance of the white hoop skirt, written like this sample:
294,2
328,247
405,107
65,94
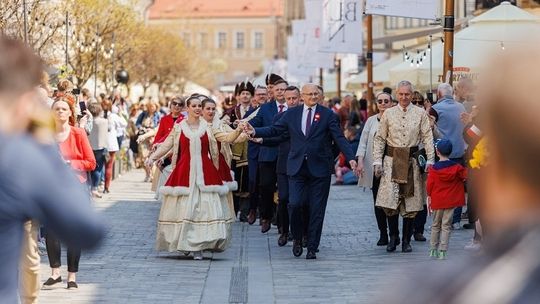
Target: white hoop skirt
198,221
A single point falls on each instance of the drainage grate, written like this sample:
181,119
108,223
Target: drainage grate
238,292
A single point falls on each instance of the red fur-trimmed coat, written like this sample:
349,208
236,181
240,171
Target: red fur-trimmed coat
197,157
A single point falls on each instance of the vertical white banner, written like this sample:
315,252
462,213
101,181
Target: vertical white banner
341,27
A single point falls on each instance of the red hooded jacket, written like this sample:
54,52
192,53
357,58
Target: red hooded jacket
445,185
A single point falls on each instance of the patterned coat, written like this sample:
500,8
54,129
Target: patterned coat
400,127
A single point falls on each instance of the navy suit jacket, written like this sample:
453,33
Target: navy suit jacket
265,118
283,143
253,148
316,147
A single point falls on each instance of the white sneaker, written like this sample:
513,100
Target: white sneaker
473,246
456,226
197,255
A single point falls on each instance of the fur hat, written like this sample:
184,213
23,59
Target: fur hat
244,86
272,79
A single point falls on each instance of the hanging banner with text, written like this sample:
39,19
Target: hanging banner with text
341,30
421,9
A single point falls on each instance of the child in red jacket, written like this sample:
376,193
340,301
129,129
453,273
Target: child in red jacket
446,191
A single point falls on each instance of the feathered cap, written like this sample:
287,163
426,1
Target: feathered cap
244,86
272,79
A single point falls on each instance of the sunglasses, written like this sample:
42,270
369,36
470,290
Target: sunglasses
380,101
175,103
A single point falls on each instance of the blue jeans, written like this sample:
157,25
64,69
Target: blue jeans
98,171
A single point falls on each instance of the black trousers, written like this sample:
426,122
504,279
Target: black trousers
283,205
383,221
267,188
54,251
420,221
254,196
306,189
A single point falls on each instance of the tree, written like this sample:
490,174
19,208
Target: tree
95,21
45,25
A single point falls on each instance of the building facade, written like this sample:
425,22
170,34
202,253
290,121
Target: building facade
235,36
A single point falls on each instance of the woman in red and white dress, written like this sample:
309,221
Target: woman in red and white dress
225,136
194,214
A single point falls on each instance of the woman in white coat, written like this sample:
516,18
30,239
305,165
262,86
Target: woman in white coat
365,167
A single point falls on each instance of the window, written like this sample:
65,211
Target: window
258,40
186,37
240,40
222,40
203,40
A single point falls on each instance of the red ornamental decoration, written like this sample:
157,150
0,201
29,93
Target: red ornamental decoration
316,118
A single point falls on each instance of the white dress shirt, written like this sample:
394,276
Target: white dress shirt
304,116
285,106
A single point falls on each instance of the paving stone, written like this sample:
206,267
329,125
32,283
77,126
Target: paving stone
349,267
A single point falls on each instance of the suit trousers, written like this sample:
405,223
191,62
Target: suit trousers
254,196
283,205
30,260
267,188
306,189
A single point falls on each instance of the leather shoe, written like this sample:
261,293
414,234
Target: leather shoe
383,240
392,244
419,237
282,241
252,217
468,226
406,247
265,226
297,248
311,255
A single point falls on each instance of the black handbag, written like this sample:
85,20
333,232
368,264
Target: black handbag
421,159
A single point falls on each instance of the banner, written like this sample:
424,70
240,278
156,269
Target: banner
341,30
306,38
421,9
313,9
296,60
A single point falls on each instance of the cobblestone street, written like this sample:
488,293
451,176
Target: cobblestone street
348,269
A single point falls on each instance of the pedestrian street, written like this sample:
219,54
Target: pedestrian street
349,267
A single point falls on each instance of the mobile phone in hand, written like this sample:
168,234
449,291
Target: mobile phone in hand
82,106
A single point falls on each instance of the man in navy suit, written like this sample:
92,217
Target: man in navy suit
292,97
259,99
312,129
268,154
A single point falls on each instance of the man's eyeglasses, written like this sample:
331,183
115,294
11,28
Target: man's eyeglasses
381,101
313,94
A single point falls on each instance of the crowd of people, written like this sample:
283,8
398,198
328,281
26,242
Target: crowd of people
269,153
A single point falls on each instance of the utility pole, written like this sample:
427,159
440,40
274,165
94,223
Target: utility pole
25,25
369,63
67,39
113,54
430,48
96,63
321,81
448,41
338,75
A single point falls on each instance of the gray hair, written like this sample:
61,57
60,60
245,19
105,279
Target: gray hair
405,83
445,89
